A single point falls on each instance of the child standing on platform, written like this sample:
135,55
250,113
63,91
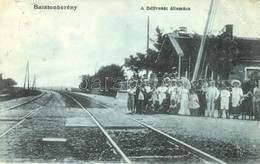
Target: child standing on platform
173,107
224,101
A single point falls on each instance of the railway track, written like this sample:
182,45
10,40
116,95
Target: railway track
24,103
47,136
52,138
110,140
147,144
26,116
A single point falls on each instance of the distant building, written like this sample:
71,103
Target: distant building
224,57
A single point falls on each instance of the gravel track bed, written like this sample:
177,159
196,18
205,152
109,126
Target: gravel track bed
83,143
139,143
231,152
227,146
25,141
5,125
37,103
109,118
24,109
68,101
85,102
91,144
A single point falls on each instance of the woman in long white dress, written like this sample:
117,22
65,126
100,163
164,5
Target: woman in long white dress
184,102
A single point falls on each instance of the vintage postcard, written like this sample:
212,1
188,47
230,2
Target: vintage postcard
141,81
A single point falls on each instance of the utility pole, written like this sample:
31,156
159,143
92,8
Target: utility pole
147,48
34,83
96,68
213,6
26,78
179,68
148,37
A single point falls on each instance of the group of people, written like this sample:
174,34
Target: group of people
199,98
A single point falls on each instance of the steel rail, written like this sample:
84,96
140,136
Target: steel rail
203,155
125,158
26,116
27,102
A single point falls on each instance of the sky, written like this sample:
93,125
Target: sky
62,45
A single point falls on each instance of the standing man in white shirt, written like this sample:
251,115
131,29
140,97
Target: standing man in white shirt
212,95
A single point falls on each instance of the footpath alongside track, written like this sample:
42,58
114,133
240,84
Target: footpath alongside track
231,139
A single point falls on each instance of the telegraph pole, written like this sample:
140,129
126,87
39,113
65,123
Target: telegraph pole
148,37
148,26
213,6
26,78
34,83
96,68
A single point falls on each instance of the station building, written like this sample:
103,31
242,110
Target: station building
224,56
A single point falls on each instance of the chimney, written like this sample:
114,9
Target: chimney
183,29
229,30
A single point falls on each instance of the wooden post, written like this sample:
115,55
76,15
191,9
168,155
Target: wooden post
206,71
28,78
147,48
179,69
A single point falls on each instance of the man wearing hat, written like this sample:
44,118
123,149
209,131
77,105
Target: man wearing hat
212,95
201,92
139,98
131,97
167,81
153,90
147,91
